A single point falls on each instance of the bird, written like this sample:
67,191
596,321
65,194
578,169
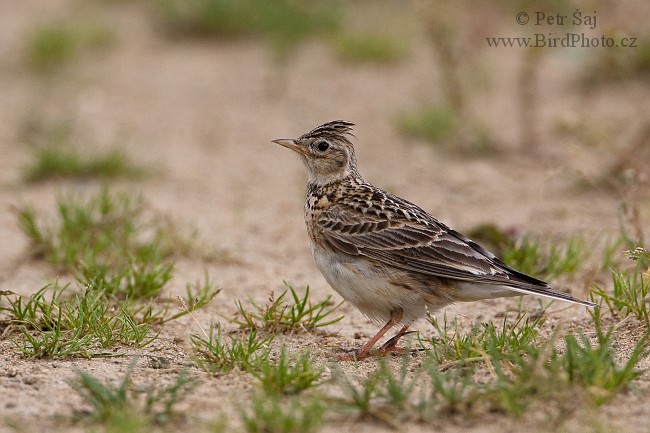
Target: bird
386,256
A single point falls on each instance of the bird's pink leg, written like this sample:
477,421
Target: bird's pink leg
389,346
364,351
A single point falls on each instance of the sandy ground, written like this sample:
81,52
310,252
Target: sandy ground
203,114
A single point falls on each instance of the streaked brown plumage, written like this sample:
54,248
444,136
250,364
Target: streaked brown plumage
385,255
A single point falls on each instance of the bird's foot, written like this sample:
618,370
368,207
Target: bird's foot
390,346
353,354
358,355
395,351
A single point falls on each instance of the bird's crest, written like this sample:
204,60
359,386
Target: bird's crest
338,129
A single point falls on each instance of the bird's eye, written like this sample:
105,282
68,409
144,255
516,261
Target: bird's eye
323,146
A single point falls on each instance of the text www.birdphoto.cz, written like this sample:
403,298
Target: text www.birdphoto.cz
567,39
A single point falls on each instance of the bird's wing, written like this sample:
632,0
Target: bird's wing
424,245
430,248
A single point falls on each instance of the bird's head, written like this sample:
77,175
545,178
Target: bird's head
326,151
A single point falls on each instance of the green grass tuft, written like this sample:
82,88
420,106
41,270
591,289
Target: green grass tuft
127,405
519,371
370,47
390,395
138,280
289,375
243,351
282,22
358,394
630,294
446,391
595,366
52,323
546,373
121,265
72,326
546,261
433,124
271,413
57,162
51,46
451,345
107,231
281,315
56,154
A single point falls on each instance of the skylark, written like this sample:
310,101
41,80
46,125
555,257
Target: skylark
385,255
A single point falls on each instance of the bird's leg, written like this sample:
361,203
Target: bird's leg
389,346
364,351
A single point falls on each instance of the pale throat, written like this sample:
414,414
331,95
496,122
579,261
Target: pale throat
322,179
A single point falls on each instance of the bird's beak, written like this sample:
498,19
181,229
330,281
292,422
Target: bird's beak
290,143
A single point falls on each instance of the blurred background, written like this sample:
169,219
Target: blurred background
179,99
500,118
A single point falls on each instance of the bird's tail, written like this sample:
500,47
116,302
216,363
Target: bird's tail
547,292
470,291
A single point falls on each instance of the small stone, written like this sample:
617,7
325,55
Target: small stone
158,362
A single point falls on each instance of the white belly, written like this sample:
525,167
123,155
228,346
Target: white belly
373,289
